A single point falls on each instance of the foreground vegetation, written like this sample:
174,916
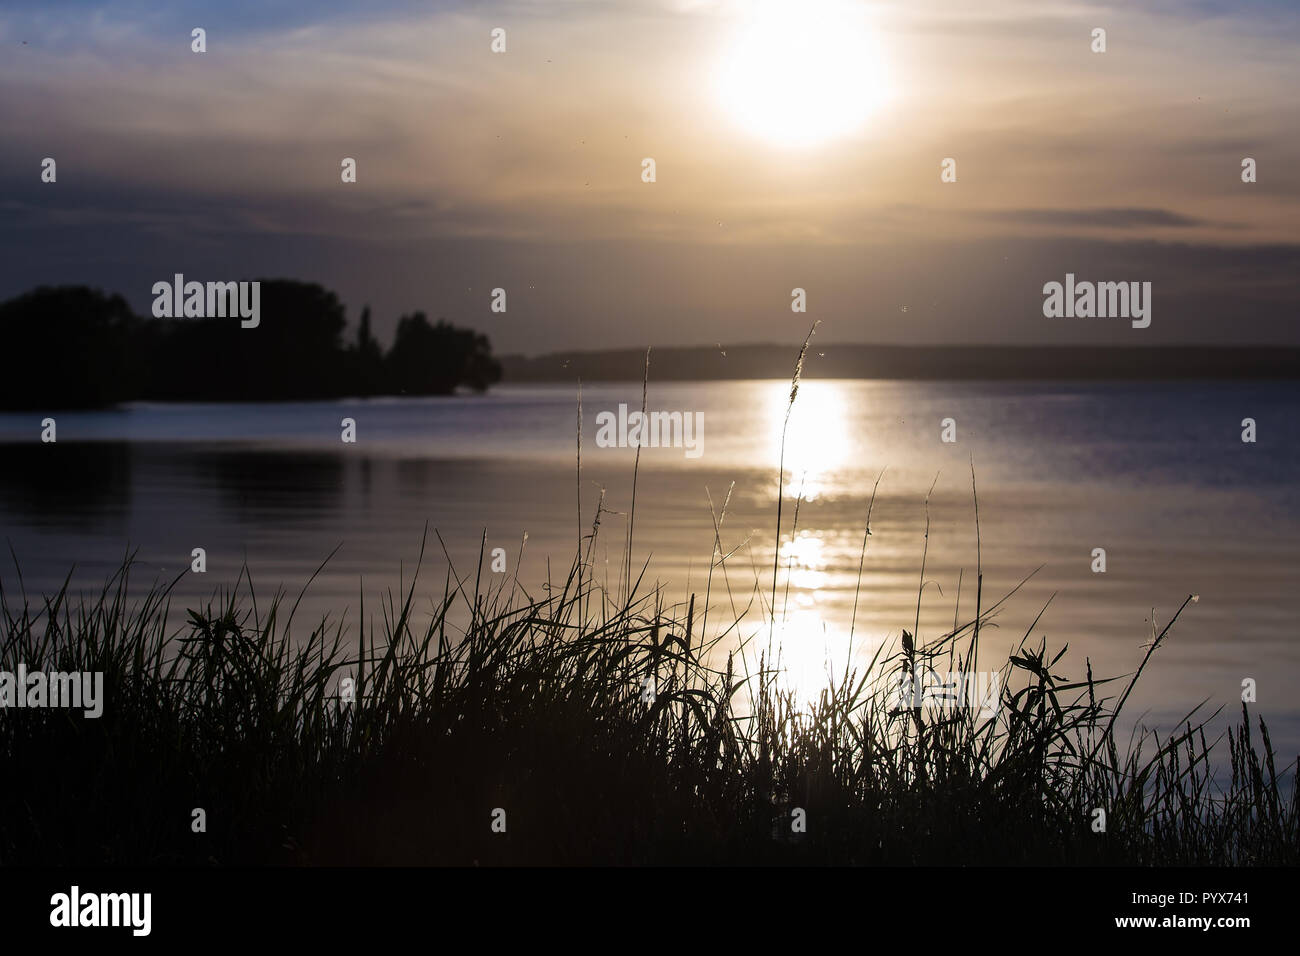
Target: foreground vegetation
540,708
593,725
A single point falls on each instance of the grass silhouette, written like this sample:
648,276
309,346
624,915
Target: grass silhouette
538,707
610,727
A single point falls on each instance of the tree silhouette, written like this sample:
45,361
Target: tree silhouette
67,347
367,359
433,359
73,346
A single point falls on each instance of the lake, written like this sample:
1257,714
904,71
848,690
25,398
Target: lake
1157,475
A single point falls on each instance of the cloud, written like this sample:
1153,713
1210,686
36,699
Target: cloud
1095,218
523,169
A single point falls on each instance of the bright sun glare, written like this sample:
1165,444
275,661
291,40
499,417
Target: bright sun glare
817,441
802,72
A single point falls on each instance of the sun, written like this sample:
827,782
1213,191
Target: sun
803,72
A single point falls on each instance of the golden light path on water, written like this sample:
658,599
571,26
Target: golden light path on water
817,438
812,648
810,642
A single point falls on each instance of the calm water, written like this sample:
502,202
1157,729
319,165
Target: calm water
1155,474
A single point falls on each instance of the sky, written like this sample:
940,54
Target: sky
795,145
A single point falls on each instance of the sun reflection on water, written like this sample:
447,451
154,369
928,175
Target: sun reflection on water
808,641
817,437
807,637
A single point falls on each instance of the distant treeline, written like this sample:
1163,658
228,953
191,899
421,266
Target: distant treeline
76,347
937,363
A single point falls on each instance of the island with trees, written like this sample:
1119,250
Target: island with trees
77,347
